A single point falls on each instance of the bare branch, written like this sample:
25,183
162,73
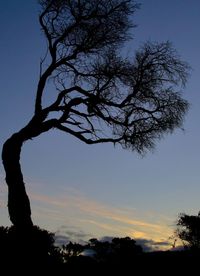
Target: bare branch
80,136
101,94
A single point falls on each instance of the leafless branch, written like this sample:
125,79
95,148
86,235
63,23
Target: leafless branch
100,95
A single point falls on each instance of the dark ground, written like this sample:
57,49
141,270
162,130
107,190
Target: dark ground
35,254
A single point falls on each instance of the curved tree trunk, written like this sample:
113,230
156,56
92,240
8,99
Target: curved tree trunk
18,201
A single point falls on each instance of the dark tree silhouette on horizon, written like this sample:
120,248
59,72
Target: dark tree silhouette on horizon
188,230
100,96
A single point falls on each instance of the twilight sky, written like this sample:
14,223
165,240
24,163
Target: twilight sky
93,191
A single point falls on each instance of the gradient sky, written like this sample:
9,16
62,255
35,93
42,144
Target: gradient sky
99,190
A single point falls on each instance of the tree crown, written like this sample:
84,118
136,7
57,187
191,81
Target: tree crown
188,230
100,95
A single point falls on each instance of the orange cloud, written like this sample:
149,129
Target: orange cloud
70,206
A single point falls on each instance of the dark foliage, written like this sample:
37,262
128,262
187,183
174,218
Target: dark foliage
33,248
118,249
102,96
188,230
34,252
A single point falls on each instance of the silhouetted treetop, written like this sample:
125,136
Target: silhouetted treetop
103,97
188,230
86,25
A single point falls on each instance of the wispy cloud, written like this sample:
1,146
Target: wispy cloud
151,245
71,207
69,233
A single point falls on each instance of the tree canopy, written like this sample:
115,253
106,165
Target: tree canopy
100,95
188,230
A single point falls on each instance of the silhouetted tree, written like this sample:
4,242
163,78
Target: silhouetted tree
100,96
71,250
34,249
125,248
102,249
116,250
188,230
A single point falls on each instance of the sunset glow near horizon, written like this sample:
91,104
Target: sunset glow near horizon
86,191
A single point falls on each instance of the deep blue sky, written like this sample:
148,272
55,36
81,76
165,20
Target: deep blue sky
102,190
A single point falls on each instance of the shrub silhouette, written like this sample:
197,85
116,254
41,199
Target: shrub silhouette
35,248
34,252
188,230
118,248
